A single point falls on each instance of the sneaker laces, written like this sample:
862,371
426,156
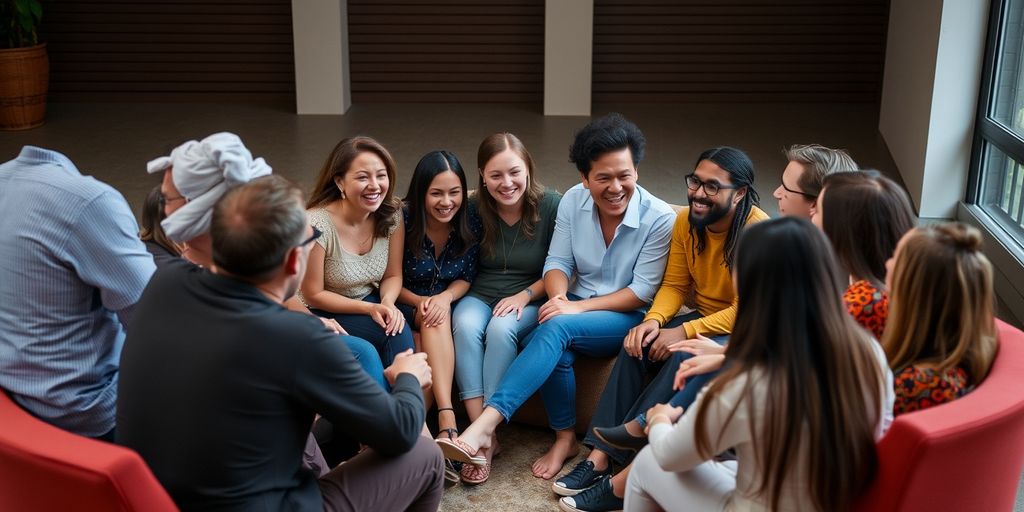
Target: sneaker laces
580,471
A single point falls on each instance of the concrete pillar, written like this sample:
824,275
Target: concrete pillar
320,35
568,56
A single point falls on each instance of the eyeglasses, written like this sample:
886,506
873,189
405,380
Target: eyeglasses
812,197
316,234
711,188
164,199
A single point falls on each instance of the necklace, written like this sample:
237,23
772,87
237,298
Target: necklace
508,253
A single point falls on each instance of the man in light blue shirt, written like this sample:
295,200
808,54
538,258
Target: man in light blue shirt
71,269
613,236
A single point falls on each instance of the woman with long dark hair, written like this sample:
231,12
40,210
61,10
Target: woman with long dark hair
864,215
802,400
441,246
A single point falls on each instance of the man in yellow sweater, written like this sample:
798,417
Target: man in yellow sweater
722,201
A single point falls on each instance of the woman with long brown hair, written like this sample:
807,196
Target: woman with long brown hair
801,401
354,274
941,333
518,216
864,215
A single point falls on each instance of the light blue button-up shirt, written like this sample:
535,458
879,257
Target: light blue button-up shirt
636,257
71,263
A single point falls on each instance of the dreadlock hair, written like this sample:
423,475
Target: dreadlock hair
741,173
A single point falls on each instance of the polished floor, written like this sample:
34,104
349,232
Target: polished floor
113,142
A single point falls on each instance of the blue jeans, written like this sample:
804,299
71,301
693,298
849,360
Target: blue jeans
486,345
366,354
547,360
364,327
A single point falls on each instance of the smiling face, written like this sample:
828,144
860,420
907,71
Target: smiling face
612,181
506,177
707,210
790,197
365,183
444,197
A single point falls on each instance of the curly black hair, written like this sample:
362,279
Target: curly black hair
603,135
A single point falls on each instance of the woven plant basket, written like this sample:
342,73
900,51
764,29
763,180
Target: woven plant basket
24,80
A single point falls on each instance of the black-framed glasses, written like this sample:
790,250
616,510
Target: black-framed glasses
711,188
812,197
316,234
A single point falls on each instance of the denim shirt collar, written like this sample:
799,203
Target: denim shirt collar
33,154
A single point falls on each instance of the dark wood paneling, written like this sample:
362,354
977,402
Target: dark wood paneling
446,51
166,50
739,50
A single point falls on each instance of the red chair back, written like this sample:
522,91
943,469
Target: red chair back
964,455
45,468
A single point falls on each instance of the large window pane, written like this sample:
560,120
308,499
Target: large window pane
1007,107
1002,192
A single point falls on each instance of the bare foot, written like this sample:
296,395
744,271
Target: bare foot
564,448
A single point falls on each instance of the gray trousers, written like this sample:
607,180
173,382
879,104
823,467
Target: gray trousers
371,481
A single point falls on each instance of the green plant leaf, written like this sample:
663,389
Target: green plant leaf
22,6
37,9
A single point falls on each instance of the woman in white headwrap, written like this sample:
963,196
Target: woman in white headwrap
196,175
354,273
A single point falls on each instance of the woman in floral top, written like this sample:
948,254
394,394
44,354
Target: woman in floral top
941,337
438,265
864,214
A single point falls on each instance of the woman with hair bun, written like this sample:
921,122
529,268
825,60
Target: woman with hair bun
941,334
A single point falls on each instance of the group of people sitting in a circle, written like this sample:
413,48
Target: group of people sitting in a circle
758,360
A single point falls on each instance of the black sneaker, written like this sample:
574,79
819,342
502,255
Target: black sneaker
598,498
581,478
619,437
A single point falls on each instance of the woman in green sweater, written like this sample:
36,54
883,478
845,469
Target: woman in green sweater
518,215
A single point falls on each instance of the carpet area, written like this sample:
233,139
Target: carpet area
512,486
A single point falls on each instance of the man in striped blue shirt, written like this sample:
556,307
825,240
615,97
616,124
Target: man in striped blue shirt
71,269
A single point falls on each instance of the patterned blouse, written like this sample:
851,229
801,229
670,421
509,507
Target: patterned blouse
920,387
425,275
353,275
868,305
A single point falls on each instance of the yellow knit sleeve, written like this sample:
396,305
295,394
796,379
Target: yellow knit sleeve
677,281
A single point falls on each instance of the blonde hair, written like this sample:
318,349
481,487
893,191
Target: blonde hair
818,162
941,302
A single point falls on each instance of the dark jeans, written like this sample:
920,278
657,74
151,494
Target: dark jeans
626,396
362,326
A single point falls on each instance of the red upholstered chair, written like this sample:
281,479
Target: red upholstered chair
964,455
45,468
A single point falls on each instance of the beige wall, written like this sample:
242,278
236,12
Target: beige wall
934,56
568,57
320,35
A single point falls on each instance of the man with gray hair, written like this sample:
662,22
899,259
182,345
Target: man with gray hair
803,176
218,393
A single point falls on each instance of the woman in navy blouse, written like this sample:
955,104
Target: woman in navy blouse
441,246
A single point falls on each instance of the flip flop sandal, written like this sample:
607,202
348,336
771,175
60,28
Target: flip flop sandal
473,474
455,449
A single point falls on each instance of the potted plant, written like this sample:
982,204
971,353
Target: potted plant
24,66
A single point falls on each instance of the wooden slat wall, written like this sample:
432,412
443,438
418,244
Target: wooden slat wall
446,50
739,50
170,50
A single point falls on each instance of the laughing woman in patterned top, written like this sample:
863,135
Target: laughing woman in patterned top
441,246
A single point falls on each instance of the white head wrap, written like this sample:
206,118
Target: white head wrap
204,171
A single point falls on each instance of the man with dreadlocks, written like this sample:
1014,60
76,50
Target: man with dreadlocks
722,200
